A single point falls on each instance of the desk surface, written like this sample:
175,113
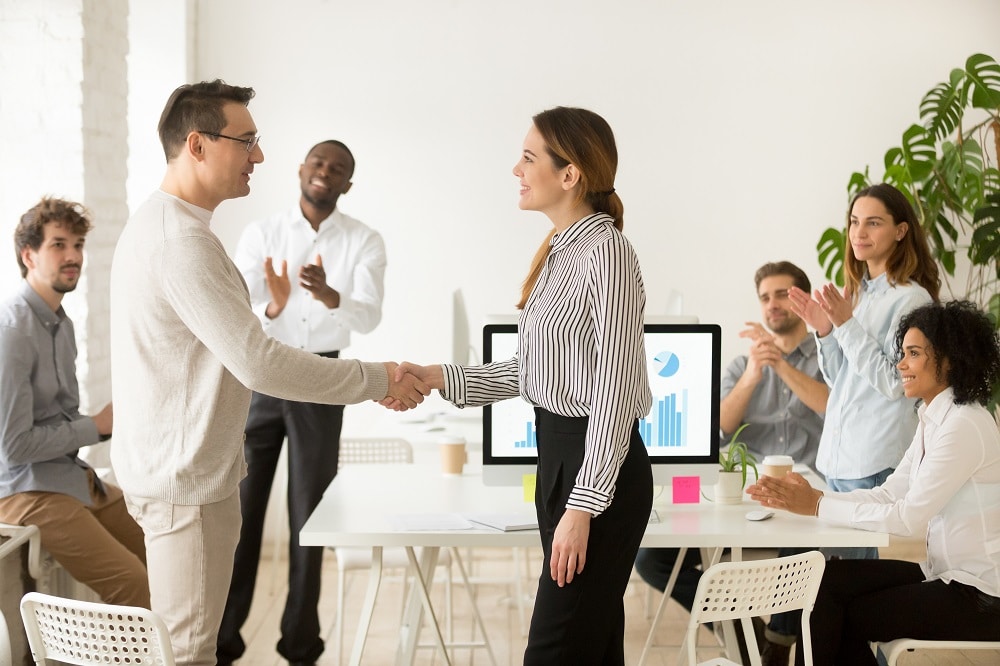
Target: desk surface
357,510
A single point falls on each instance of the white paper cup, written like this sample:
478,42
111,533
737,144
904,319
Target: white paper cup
776,466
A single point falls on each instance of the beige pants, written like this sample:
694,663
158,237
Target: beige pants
99,545
189,552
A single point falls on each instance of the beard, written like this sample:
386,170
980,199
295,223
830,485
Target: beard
784,325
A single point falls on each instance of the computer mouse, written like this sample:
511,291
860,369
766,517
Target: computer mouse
759,514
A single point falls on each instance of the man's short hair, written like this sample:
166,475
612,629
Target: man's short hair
342,146
773,268
30,231
197,107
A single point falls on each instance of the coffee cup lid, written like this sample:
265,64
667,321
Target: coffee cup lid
778,460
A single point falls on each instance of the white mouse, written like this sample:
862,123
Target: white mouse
759,514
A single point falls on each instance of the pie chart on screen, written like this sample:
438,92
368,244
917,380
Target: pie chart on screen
667,364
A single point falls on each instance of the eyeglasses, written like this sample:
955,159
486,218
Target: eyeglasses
249,143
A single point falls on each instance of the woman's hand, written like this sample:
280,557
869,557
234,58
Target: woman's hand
792,493
569,546
836,305
810,311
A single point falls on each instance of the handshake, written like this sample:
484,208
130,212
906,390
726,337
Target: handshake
409,383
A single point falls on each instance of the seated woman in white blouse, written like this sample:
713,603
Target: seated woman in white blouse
947,487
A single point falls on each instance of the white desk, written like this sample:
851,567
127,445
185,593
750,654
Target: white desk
356,510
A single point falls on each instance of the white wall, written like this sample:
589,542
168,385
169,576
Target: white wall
738,124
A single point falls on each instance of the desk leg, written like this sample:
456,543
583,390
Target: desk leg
681,554
419,601
365,621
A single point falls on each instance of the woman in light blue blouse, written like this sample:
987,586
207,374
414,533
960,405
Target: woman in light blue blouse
581,362
888,271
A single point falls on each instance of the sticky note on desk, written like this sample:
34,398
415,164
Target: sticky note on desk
687,489
528,485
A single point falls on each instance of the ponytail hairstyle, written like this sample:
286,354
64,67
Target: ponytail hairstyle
584,139
910,260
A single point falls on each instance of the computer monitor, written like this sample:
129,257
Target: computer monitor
681,432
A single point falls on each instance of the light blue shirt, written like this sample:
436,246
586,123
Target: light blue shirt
41,427
869,422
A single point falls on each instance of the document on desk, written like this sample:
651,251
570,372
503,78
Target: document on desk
506,522
429,522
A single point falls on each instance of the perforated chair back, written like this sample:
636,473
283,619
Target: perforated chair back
743,590
88,633
374,450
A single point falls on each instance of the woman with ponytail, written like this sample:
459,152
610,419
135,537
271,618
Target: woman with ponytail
581,363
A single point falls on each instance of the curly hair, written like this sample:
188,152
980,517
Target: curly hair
30,231
964,335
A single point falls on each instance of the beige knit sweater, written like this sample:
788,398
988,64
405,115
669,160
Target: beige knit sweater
186,350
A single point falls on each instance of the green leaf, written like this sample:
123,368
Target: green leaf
984,246
983,75
919,152
831,254
943,106
858,182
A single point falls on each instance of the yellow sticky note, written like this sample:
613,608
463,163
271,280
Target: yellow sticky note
528,484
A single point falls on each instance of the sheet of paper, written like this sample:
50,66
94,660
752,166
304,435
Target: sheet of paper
508,522
429,522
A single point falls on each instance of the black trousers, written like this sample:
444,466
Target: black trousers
584,622
313,432
881,600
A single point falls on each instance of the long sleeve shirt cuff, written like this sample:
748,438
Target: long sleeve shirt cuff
590,500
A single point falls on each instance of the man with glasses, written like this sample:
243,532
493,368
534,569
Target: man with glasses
186,351
43,482
339,265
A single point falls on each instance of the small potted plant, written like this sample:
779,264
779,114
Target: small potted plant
734,461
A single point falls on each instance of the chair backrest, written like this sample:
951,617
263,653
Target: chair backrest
374,450
743,590
85,633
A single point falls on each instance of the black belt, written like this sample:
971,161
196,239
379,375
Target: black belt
333,354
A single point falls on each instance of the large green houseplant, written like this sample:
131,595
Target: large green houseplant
947,167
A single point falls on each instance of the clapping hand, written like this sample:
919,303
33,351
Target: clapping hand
312,278
791,493
763,351
810,311
278,286
835,304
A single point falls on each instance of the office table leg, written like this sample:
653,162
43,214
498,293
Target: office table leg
368,609
418,601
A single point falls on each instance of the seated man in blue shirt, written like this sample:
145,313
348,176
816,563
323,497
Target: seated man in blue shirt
83,522
778,390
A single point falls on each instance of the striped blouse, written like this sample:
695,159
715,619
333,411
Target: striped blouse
580,352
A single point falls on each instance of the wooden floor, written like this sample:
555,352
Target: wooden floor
496,601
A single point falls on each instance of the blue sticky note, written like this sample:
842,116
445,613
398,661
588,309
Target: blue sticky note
687,489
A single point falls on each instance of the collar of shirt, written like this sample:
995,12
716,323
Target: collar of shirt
938,407
334,220
805,349
41,309
875,285
201,214
579,229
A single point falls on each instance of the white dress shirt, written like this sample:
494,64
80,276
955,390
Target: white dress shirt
948,484
354,261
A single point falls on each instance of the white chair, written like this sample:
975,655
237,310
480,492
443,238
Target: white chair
368,450
893,649
88,633
744,590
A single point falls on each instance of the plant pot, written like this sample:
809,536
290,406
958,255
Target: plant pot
729,488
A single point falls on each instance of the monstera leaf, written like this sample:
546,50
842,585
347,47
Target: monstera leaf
983,74
831,254
943,106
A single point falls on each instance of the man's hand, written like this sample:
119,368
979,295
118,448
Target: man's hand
104,420
312,278
791,493
405,392
763,352
278,286
569,546
810,311
431,375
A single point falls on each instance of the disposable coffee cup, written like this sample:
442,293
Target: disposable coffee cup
776,466
453,455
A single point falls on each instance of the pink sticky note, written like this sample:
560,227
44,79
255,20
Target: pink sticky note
687,489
